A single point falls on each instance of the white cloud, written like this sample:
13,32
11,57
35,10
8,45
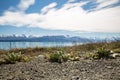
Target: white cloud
70,17
105,3
24,4
69,1
47,8
77,19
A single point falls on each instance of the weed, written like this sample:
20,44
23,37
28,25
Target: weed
59,56
100,53
103,53
73,57
15,57
56,57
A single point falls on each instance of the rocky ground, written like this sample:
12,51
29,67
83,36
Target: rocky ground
85,69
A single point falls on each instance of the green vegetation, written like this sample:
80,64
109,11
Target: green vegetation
116,50
73,57
102,50
15,57
61,56
58,56
101,53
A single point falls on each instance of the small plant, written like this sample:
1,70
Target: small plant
103,53
14,57
56,57
91,55
59,56
74,57
25,58
47,55
65,57
100,53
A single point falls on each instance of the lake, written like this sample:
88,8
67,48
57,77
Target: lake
9,45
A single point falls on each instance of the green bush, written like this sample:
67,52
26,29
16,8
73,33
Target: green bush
55,57
99,54
103,53
65,57
59,56
73,57
88,55
14,57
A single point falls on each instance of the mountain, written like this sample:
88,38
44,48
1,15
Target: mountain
60,38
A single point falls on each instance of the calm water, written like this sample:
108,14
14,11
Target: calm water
8,45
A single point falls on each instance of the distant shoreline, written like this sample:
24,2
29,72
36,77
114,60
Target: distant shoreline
31,41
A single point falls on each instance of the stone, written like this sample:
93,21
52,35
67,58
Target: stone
41,56
114,55
75,78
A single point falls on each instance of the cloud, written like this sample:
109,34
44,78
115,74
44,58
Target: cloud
71,16
69,1
24,4
47,8
106,3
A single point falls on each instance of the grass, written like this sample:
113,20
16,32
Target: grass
2,52
58,56
73,53
116,50
14,57
61,56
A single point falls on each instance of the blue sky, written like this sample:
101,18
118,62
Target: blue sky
60,17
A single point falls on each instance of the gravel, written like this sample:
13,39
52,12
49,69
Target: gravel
40,69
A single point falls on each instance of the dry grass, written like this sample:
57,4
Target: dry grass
74,49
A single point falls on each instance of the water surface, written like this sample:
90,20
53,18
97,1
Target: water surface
9,45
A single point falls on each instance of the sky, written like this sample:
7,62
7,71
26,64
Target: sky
60,17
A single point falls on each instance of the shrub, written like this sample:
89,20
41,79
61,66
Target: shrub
59,56
15,57
103,53
56,57
25,58
100,53
74,57
91,55
47,55
65,57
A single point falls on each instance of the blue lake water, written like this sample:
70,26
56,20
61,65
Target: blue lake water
9,45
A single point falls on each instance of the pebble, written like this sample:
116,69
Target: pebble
80,70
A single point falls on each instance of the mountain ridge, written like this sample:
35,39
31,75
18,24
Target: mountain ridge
59,38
